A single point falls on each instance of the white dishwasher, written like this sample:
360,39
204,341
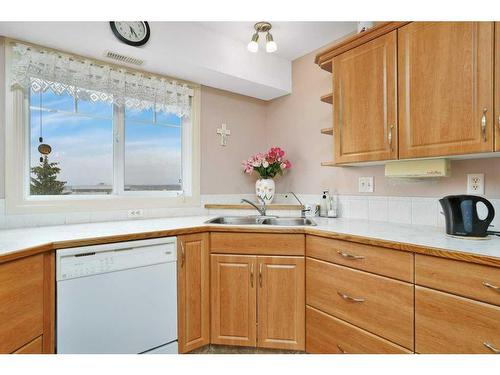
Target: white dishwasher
117,298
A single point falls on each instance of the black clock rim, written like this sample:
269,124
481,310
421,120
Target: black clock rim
129,42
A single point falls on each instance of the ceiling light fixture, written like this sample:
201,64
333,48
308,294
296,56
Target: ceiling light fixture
262,27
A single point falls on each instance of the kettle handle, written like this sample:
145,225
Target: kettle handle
489,206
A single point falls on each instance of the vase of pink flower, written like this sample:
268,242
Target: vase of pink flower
268,166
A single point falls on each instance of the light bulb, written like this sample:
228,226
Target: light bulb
271,45
253,46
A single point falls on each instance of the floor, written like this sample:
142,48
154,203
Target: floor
225,349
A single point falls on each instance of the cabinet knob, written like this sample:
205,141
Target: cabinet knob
389,137
260,275
491,286
350,256
491,347
483,124
251,275
340,349
183,254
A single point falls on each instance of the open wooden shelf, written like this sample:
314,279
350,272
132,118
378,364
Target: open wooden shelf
328,98
327,65
328,164
327,131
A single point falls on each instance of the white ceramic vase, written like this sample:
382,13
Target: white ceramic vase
265,188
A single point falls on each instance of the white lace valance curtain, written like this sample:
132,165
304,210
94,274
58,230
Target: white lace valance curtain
41,70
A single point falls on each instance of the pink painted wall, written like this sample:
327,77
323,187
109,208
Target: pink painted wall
221,171
294,122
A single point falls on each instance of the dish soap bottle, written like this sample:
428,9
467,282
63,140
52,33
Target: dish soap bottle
323,206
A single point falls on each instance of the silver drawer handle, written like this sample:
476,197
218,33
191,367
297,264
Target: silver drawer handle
349,298
350,256
491,286
491,347
341,350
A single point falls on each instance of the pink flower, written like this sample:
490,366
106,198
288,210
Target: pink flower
286,165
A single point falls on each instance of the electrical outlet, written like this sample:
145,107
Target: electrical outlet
365,185
135,214
475,184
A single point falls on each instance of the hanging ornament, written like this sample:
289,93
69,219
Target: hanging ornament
43,148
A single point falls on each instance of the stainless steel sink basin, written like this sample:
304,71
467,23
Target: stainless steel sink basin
288,221
236,220
254,220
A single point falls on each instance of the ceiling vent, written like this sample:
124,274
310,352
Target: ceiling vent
123,59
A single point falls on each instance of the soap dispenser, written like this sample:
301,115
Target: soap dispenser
323,206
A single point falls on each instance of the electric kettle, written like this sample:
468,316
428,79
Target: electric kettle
461,215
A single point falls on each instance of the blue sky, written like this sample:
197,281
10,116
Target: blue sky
83,144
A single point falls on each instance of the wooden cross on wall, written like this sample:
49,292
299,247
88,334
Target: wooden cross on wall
224,133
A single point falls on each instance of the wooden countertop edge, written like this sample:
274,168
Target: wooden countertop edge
417,249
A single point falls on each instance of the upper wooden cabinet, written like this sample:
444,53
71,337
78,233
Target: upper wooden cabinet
365,102
445,88
441,103
193,302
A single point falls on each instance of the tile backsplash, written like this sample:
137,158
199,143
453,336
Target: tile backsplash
403,210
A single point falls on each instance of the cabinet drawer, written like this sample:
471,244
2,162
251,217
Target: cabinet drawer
466,279
326,334
21,302
449,324
257,243
33,347
376,259
380,305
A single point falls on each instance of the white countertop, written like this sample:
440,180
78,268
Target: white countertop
19,239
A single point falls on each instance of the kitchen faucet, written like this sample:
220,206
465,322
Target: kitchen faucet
303,210
261,209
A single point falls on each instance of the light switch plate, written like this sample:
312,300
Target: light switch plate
365,185
475,184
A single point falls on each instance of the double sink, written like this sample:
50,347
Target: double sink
262,220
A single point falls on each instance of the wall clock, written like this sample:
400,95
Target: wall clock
133,33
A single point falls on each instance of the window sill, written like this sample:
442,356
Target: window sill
97,203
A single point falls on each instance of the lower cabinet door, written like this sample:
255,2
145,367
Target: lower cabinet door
281,303
193,299
448,324
329,335
234,298
21,302
33,347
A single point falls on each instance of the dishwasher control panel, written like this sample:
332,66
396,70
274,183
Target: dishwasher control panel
91,260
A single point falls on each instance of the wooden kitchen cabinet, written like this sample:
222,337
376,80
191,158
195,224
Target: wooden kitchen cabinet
281,301
449,324
445,88
365,102
234,299
258,301
363,299
496,121
193,302
329,335
27,304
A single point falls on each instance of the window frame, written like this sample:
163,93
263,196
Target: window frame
17,163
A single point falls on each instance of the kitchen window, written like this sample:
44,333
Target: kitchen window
120,139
